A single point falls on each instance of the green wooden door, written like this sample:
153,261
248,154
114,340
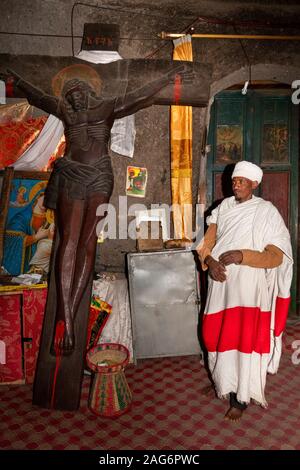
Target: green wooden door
261,127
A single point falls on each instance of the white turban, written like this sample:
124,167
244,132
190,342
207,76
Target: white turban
248,170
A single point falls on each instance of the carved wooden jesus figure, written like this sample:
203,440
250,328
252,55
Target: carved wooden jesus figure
80,182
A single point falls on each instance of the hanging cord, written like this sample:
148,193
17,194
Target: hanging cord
248,82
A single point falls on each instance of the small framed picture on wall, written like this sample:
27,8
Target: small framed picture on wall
136,181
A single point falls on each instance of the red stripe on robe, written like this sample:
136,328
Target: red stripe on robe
245,329
281,312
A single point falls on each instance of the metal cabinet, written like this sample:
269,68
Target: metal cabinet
165,303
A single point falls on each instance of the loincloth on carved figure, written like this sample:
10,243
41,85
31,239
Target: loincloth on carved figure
79,179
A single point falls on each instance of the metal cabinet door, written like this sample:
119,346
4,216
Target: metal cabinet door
164,298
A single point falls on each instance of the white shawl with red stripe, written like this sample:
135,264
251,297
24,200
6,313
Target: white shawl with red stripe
245,315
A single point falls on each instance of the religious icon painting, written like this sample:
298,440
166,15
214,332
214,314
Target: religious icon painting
136,181
28,228
229,144
275,145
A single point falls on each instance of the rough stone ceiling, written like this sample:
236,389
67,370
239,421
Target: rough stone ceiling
24,23
210,7
175,12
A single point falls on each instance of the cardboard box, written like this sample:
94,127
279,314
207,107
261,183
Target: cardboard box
149,236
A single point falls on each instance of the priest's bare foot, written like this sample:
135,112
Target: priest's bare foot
208,391
233,414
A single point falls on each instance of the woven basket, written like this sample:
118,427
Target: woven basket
110,395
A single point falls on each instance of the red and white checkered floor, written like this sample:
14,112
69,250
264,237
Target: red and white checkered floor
168,412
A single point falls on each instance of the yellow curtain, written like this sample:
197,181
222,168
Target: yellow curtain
181,153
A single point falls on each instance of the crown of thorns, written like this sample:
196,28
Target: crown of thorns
76,85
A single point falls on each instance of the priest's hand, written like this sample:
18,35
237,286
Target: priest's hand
231,257
216,269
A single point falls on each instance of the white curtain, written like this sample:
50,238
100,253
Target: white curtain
37,155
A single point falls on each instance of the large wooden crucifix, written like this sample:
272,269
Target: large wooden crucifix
81,181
